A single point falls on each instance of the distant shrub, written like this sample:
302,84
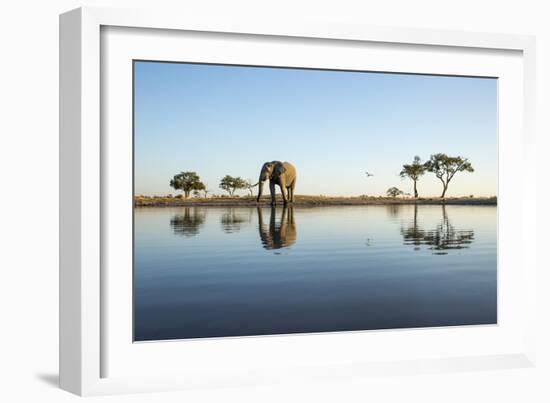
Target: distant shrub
179,196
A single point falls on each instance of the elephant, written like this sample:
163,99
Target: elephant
279,173
280,234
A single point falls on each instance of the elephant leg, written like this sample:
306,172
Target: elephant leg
292,190
260,190
272,190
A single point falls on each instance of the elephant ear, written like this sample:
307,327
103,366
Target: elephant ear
279,168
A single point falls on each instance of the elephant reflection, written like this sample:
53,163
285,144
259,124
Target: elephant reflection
441,239
188,224
281,233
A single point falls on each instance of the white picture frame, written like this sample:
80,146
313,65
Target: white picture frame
88,338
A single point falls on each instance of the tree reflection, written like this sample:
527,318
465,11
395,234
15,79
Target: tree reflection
188,224
441,239
392,210
232,220
279,234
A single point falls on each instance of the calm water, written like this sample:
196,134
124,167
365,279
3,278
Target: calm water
209,271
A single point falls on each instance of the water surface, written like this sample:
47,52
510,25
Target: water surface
214,271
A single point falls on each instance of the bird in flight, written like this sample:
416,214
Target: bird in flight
368,174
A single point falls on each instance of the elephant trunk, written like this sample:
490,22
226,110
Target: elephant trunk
260,189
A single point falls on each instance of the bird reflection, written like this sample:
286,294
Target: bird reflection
441,239
232,220
281,233
188,224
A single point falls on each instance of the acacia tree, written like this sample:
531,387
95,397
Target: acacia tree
394,192
187,182
413,171
445,168
200,187
249,186
231,184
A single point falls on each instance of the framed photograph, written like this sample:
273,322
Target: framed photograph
254,202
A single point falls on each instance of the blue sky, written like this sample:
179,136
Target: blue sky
332,125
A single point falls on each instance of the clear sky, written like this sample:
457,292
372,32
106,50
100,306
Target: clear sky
331,125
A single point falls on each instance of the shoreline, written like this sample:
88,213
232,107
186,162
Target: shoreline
311,201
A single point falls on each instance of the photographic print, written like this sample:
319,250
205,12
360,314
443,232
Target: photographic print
278,200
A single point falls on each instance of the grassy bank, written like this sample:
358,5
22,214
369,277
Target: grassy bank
159,201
